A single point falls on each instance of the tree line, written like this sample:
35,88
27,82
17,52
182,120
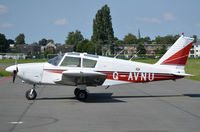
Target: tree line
103,34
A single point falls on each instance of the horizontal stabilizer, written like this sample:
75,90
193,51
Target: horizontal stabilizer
183,74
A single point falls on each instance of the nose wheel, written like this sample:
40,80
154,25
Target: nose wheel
31,94
76,91
80,94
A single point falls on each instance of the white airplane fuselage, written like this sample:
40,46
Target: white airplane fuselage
118,71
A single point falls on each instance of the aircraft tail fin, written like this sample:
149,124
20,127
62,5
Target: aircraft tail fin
178,53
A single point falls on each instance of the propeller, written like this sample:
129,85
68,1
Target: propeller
15,71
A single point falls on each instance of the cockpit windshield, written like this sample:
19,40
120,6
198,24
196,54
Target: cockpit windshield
55,61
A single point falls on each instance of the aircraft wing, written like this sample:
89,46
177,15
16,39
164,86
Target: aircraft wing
82,77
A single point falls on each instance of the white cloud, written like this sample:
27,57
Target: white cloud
169,16
62,21
148,19
3,9
5,25
198,25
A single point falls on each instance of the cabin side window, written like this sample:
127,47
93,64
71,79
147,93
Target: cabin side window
71,62
88,63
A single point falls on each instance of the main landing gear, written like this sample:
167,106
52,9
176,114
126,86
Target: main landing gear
31,94
81,93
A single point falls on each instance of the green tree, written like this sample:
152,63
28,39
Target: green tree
50,40
20,39
98,47
3,43
86,46
46,52
102,28
81,46
43,42
90,47
176,37
158,40
195,38
169,39
130,39
161,51
141,50
74,38
145,40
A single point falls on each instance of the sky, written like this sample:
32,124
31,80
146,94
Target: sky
54,19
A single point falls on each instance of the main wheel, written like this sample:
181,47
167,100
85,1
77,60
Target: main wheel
76,91
82,95
31,96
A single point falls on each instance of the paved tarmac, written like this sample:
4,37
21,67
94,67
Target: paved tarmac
165,106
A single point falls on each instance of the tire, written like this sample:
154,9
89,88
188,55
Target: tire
76,91
82,95
30,96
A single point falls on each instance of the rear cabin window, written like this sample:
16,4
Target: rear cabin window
89,63
71,62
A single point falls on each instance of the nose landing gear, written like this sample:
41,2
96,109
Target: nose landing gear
31,94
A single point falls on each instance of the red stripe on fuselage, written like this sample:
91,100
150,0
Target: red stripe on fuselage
139,76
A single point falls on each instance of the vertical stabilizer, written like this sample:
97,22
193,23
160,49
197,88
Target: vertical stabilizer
178,53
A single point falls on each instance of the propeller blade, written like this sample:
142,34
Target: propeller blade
14,75
15,71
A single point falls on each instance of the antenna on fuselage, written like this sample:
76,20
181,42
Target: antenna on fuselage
133,56
119,53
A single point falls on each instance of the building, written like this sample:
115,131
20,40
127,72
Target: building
195,51
51,47
64,48
15,56
131,49
29,49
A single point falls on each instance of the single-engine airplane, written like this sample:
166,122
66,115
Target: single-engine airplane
83,70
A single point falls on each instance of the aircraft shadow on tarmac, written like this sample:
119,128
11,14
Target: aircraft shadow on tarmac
108,98
192,95
92,98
